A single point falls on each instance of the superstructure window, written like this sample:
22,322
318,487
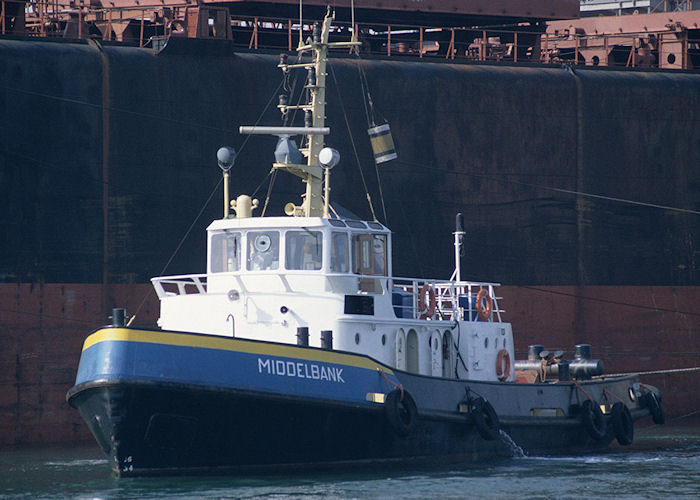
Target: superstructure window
369,254
303,250
263,250
225,251
339,253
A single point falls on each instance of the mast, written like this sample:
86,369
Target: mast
289,158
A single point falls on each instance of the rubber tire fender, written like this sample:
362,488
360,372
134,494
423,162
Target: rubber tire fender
622,423
485,419
657,414
593,419
401,414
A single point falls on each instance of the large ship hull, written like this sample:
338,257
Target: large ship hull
168,402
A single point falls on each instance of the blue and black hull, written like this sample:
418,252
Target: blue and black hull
175,403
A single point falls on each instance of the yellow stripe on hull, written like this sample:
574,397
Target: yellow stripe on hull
230,344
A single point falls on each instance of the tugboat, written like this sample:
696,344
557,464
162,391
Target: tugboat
299,347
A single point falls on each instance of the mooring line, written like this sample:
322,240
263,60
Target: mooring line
654,372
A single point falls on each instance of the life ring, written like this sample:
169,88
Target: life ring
483,304
426,313
485,419
593,419
503,365
401,413
657,414
623,425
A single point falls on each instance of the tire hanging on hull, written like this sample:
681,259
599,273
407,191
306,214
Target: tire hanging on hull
593,419
623,425
657,414
485,419
401,412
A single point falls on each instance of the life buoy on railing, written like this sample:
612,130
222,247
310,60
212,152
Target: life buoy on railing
401,413
623,425
503,365
430,309
483,304
593,419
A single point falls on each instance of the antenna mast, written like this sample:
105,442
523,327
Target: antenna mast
314,121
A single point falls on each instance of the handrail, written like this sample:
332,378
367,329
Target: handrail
182,284
45,18
447,293
447,297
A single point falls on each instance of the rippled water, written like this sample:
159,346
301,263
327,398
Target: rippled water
664,462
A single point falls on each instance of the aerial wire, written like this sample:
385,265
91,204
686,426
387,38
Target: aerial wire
204,206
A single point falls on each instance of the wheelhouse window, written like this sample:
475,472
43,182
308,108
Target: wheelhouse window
339,253
369,254
263,250
303,250
225,251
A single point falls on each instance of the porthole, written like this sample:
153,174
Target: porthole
357,338
384,339
671,58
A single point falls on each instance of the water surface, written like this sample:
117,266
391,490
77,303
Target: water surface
664,462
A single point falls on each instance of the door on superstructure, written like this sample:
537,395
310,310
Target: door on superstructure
447,354
412,352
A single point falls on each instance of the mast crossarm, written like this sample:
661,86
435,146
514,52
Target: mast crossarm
299,169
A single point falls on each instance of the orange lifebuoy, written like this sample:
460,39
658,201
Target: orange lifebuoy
426,313
483,304
502,371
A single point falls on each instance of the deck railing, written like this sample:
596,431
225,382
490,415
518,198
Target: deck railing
149,23
454,300
411,297
169,286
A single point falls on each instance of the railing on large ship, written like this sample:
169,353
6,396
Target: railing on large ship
147,25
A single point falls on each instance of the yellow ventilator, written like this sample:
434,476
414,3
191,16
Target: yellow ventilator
382,143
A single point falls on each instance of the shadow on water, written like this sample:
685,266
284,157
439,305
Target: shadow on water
664,462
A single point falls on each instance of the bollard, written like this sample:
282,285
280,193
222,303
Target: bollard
303,336
327,340
118,316
564,373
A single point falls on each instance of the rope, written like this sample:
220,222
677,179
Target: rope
655,372
206,203
390,383
352,141
608,393
578,386
369,114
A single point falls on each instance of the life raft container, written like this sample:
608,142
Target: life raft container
401,413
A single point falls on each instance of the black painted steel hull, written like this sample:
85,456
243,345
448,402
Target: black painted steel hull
150,429
162,402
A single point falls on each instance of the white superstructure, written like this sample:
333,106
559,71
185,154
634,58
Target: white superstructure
286,279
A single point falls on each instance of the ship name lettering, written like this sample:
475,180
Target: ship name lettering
300,369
